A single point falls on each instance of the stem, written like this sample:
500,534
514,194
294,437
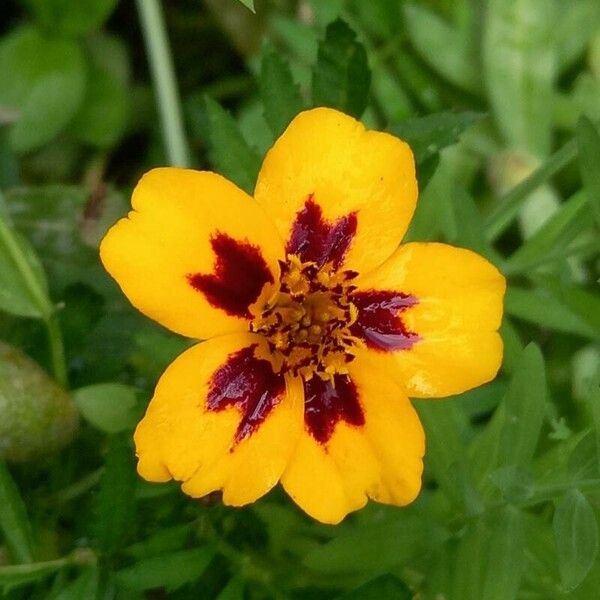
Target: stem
161,66
37,292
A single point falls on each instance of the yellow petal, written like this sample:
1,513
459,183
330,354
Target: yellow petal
179,217
329,158
459,301
187,437
380,459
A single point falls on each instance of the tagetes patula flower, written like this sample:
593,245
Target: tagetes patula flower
319,326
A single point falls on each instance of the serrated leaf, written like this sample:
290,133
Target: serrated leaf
588,140
43,79
70,18
110,407
341,77
114,504
279,93
14,522
506,559
230,153
444,47
168,571
384,587
576,536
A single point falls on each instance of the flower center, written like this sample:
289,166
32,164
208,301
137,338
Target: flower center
307,322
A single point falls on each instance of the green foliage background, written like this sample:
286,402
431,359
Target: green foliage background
500,100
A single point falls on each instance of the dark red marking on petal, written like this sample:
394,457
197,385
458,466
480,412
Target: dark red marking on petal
379,322
240,272
249,384
317,240
326,403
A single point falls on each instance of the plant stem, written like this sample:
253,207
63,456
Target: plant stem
163,75
47,311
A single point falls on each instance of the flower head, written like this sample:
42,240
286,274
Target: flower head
318,325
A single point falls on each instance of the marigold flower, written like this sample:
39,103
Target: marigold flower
318,325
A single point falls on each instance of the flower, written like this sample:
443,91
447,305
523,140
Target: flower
318,325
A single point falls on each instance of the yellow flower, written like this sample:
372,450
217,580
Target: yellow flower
318,325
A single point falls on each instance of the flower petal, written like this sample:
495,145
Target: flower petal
381,458
194,253
338,192
220,419
447,340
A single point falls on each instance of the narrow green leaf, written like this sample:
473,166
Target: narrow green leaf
506,559
230,153
279,93
114,504
519,59
525,304
445,48
576,536
384,587
169,571
525,405
108,406
509,205
234,590
553,238
471,561
13,576
14,523
84,587
341,77
588,140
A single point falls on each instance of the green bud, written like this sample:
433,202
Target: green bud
37,417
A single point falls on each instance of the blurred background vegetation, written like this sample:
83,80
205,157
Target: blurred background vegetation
500,100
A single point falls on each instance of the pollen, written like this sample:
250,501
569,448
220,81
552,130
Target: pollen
307,322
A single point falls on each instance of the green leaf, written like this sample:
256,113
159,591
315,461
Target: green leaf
110,407
114,505
576,536
13,576
471,554
384,587
588,140
506,559
234,590
85,586
43,79
279,93
445,48
169,571
230,153
161,541
525,304
70,18
427,136
14,523
551,241
249,4
23,289
519,59
102,117
511,436
341,77
509,205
